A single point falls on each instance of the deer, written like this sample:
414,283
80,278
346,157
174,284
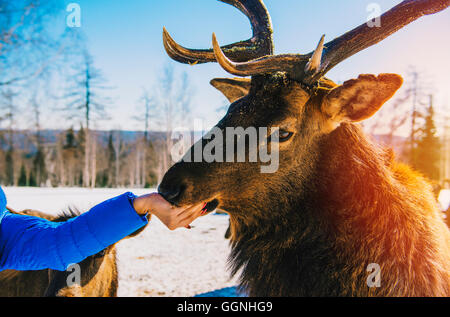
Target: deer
98,273
340,213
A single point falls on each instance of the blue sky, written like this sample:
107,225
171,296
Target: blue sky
125,39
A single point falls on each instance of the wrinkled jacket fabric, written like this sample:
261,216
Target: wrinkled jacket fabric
30,243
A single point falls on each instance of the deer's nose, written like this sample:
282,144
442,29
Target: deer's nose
171,194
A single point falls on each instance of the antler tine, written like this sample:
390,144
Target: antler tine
267,64
260,44
316,59
364,36
181,54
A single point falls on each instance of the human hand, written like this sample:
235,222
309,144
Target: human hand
171,216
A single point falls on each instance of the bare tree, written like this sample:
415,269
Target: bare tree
144,116
391,121
9,110
38,161
85,101
27,48
406,112
174,98
148,102
118,151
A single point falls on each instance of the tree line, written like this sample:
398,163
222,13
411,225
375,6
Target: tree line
122,159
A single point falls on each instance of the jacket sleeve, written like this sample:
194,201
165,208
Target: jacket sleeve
31,243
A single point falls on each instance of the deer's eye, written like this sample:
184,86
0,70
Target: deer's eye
283,135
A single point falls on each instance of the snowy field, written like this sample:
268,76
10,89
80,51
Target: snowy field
444,199
158,262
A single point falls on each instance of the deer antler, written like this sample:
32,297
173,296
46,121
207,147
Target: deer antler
260,44
309,68
267,64
364,36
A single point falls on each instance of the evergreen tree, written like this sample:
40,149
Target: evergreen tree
428,147
32,180
70,138
9,168
39,169
81,152
22,176
111,161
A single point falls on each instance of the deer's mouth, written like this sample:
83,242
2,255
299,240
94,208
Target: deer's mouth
179,196
211,206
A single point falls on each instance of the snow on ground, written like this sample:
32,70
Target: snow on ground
444,199
158,262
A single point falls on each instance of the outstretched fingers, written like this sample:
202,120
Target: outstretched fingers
188,215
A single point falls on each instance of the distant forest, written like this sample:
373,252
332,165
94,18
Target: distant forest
119,158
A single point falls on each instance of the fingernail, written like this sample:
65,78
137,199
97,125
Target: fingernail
188,227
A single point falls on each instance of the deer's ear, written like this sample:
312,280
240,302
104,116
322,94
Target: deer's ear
359,99
233,88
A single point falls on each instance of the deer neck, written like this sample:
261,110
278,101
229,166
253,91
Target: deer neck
350,172
298,244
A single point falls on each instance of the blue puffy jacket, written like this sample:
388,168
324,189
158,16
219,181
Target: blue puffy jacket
30,243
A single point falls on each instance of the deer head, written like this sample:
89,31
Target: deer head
289,92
